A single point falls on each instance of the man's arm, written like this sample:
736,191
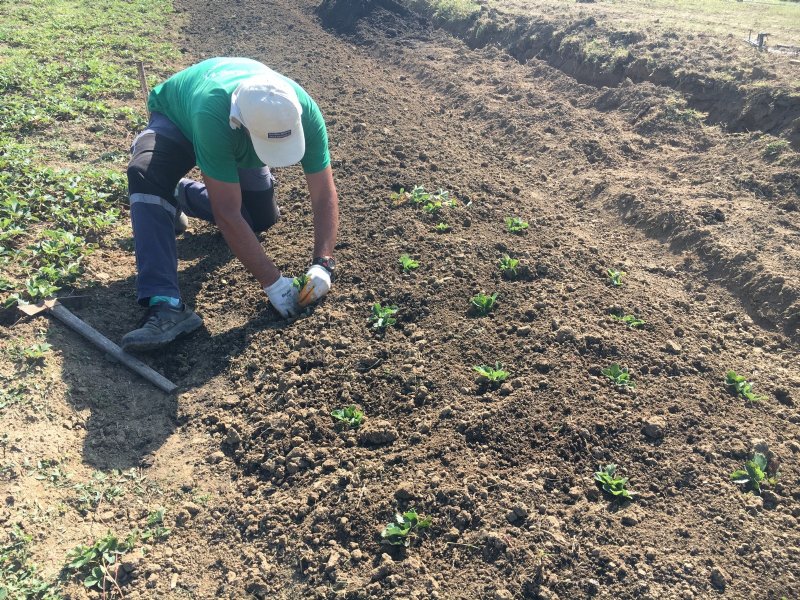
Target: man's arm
226,204
325,204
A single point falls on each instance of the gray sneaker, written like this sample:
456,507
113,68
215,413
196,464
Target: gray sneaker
161,325
181,222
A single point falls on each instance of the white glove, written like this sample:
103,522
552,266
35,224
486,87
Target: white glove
283,296
319,283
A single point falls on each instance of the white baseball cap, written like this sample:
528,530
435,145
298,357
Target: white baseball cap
267,106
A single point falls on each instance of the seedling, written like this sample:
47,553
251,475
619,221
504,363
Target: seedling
621,377
432,208
407,263
493,375
98,565
509,267
442,228
404,528
630,320
350,416
516,225
615,277
419,195
613,485
381,316
754,474
19,576
400,197
36,351
300,281
738,385
483,304
155,527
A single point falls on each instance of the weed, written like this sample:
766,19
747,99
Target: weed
630,320
442,227
381,316
613,485
509,267
774,149
619,376
615,277
97,566
516,225
155,527
400,197
404,528
494,375
754,474
19,578
482,304
349,415
36,351
50,471
407,263
300,281
739,386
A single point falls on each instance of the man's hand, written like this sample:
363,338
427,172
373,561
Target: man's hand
283,296
319,283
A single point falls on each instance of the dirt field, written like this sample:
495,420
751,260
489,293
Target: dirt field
265,497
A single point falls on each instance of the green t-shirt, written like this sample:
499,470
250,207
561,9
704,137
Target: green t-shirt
198,101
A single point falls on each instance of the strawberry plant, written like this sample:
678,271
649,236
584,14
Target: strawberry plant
621,377
442,228
754,474
349,415
739,386
509,267
630,320
493,375
613,485
482,304
404,528
98,564
381,316
516,225
300,281
418,195
432,208
407,263
615,277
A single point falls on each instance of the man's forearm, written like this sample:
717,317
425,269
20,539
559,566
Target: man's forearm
326,224
244,244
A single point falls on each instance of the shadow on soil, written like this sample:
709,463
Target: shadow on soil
127,419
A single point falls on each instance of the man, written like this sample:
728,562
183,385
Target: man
233,118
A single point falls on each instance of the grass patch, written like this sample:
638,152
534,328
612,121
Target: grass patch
447,10
70,101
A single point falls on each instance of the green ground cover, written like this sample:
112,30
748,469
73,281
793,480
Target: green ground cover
71,102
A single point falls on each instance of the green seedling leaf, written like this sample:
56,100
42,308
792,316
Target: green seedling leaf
382,316
400,197
407,263
615,277
619,376
613,485
404,528
754,474
300,281
482,304
350,415
493,375
516,225
509,266
630,320
442,228
739,386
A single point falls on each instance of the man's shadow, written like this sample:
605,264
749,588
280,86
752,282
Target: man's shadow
126,418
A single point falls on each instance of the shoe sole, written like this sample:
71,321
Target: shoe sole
183,329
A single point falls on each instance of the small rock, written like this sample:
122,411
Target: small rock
191,508
233,438
565,334
673,347
654,427
215,457
503,594
719,578
378,432
356,555
524,331
629,520
770,498
506,388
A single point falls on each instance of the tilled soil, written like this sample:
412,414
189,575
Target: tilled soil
506,474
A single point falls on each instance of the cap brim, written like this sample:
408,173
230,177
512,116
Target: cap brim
281,152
